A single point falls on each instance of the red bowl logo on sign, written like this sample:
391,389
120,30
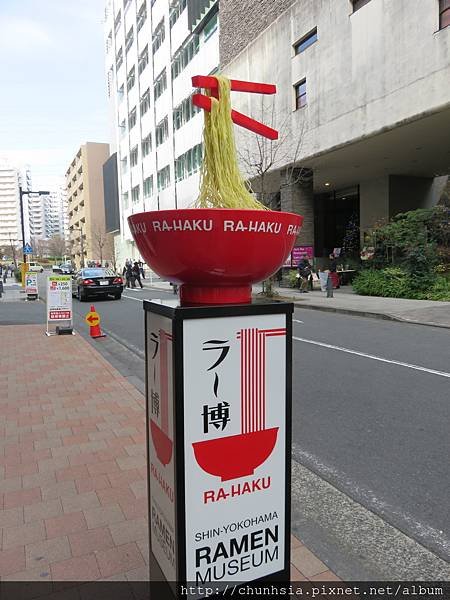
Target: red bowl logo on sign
215,254
163,444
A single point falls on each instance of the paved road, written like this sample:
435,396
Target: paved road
370,416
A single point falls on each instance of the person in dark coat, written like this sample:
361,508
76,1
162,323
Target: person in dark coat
305,272
129,276
137,273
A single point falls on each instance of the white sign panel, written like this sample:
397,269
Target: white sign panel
161,444
31,284
235,453
59,298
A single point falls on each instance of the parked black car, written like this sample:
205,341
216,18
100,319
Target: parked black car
97,282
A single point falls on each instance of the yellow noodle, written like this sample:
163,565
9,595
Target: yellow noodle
221,183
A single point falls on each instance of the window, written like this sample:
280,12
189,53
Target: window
160,84
125,4
163,178
184,55
120,92
141,16
357,4
162,131
129,39
147,145
124,164
175,11
123,128
134,156
188,163
300,94
132,118
109,42
158,36
444,13
109,80
148,186
125,199
184,112
119,58
131,78
145,101
210,27
135,193
143,60
117,21
307,41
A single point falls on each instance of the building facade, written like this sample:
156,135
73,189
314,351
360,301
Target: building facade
55,213
86,215
153,48
10,221
362,105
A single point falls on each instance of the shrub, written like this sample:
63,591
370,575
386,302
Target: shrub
395,282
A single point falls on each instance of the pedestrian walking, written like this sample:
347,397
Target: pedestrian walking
141,269
5,274
129,276
305,271
137,274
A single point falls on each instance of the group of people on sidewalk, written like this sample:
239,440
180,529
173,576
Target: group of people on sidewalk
328,279
4,270
133,273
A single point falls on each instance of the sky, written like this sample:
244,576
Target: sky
52,83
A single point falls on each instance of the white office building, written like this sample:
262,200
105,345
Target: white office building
55,213
10,223
153,48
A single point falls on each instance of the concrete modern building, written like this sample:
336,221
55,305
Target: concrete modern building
84,183
56,216
10,222
153,47
362,104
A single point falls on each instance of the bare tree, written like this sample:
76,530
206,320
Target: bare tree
40,247
110,251
100,240
57,246
13,249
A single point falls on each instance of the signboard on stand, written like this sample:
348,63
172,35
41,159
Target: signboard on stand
299,252
59,300
218,431
31,286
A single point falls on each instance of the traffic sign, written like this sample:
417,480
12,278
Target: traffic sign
92,318
27,249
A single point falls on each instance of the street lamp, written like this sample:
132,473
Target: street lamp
22,193
81,244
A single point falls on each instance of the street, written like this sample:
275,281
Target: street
370,419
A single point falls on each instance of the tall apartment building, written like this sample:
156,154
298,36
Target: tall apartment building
56,217
363,102
10,221
84,184
153,48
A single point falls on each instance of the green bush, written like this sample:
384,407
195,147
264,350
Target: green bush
395,282
292,278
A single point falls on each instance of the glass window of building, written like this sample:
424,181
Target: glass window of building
143,60
444,13
162,131
176,8
132,118
141,15
119,58
158,36
306,41
147,145
184,112
124,164
148,186
163,178
131,78
135,194
125,199
145,101
117,21
160,84
210,27
300,94
188,163
184,55
129,39
357,4
134,156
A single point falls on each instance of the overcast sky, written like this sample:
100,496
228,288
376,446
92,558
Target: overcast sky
52,83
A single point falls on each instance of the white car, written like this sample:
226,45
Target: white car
35,267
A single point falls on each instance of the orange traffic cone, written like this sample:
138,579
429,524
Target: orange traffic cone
93,319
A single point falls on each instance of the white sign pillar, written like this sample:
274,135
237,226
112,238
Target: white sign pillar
218,397
59,301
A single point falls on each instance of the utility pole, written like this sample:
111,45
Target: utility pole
21,195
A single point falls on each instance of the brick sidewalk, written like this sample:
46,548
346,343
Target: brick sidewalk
73,497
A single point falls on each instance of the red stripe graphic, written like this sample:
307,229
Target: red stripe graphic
164,380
